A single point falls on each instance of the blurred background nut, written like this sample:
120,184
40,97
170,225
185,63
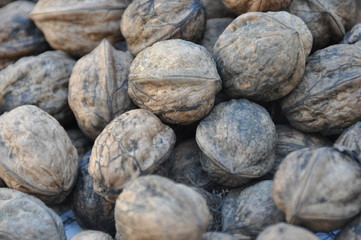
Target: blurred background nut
328,98
250,210
353,36
216,9
38,80
153,207
91,235
242,6
214,29
26,217
351,139
18,34
146,22
77,27
175,79
237,141
312,187
91,210
38,157
79,140
98,88
284,231
135,143
262,56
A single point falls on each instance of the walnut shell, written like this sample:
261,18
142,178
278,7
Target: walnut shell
214,29
38,157
250,210
328,98
77,27
185,165
351,138
237,140
351,231
98,88
38,80
216,9
353,36
4,2
175,79
262,56
242,6
91,235
328,20
221,236
84,200
312,189
284,231
135,143
147,22
18,34
27,218
153,207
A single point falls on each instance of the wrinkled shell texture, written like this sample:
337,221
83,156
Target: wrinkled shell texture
38,80
77,27
328,98
186,166
135,143
26,217
352,231
250,211
283,231
18,34
218,236
242,6
146,22
353,36
38,157
261,56
214,29
153,207
216,9
237,140
328,20
175,79
91,210
312,189
91,235
98,88
351,138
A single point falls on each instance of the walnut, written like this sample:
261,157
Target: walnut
98,88
175,79
91,235
283,231
243,6
38,157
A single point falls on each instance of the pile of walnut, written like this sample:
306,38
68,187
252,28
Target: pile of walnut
181,120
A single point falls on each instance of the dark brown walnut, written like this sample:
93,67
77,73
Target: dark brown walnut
91,210
328,98
38,80
216,9
98,88
328,20
91,235
77,27
250,210
175,79
352,231
214,29
37,156
25,217
312,187
237,140
153,207
290,139
185,165
353,36
135,143
146,22
18,34
80,142
242,6
221,236
261,56
284,231
351,138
